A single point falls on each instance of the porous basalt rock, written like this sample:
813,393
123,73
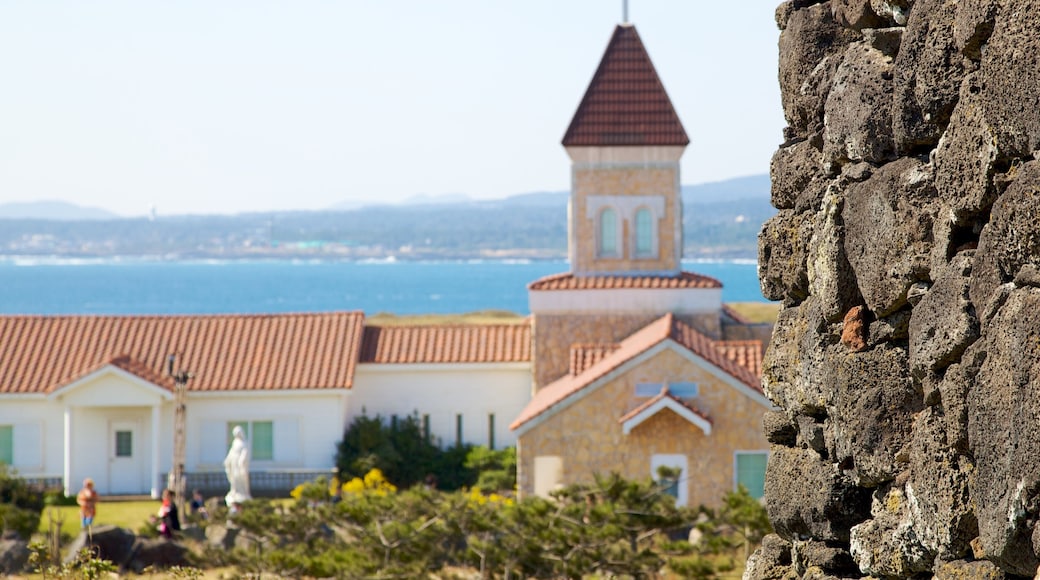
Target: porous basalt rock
905,362
855,129
888,232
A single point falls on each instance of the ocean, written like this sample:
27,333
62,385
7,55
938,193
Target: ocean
135,286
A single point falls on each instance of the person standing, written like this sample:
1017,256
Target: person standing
169,521
87,499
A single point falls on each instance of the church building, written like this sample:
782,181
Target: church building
637,364
627,363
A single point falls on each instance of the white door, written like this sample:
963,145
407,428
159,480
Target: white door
124,458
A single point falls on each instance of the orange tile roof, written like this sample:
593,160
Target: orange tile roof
746,353
584,356
664,394
39,354
474,343
568,281
665,328
626,103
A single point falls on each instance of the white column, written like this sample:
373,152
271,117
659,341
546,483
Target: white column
67,470
155,451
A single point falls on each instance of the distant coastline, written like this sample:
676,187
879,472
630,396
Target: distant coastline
720,222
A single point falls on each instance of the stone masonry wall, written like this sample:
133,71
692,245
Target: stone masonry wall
636,182
906,252
590,439
554,334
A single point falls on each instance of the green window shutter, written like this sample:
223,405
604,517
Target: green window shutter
7,444
644,233
751,472
263,440
608,233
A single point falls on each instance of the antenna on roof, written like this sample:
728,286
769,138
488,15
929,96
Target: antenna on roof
624,11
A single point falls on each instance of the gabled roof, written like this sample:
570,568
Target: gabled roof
224,352
625,104
475,343
665,328
568,281
659,402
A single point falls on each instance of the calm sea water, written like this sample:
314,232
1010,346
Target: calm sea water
51,286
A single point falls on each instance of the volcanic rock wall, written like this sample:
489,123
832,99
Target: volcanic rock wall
906,358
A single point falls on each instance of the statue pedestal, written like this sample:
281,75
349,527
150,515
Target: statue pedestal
234,497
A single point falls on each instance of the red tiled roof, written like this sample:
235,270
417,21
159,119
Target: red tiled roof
746,353
39,354
665,328
568,281
664,394
476,343
625,104
584,356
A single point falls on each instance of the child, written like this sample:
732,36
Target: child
169,521
87,499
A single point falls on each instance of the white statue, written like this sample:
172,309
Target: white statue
236,466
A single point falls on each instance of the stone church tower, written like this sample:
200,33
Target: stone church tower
625,142
625,219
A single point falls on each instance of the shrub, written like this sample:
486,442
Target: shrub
400,450
20,504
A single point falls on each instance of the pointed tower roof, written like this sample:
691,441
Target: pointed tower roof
625,104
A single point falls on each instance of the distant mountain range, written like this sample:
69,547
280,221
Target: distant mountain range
752,187
720,220
53,210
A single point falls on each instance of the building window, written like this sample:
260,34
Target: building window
608,232
668,478
7,444
644,233
684,390
648,389
124,443
751,472
458,430
491,430
259,435
670,471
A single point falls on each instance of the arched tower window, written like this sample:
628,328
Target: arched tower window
608,232
644,232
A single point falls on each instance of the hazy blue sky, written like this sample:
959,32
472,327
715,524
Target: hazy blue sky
224,106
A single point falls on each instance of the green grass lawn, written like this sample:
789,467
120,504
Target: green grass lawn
125,514
757,312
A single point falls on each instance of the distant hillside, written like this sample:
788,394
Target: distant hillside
533,225
750,187
53,210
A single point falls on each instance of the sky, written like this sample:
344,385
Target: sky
227,106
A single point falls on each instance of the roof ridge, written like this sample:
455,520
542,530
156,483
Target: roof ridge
625,103
182,316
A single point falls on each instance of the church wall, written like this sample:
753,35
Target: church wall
553,335
589,437
444,391
657,184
